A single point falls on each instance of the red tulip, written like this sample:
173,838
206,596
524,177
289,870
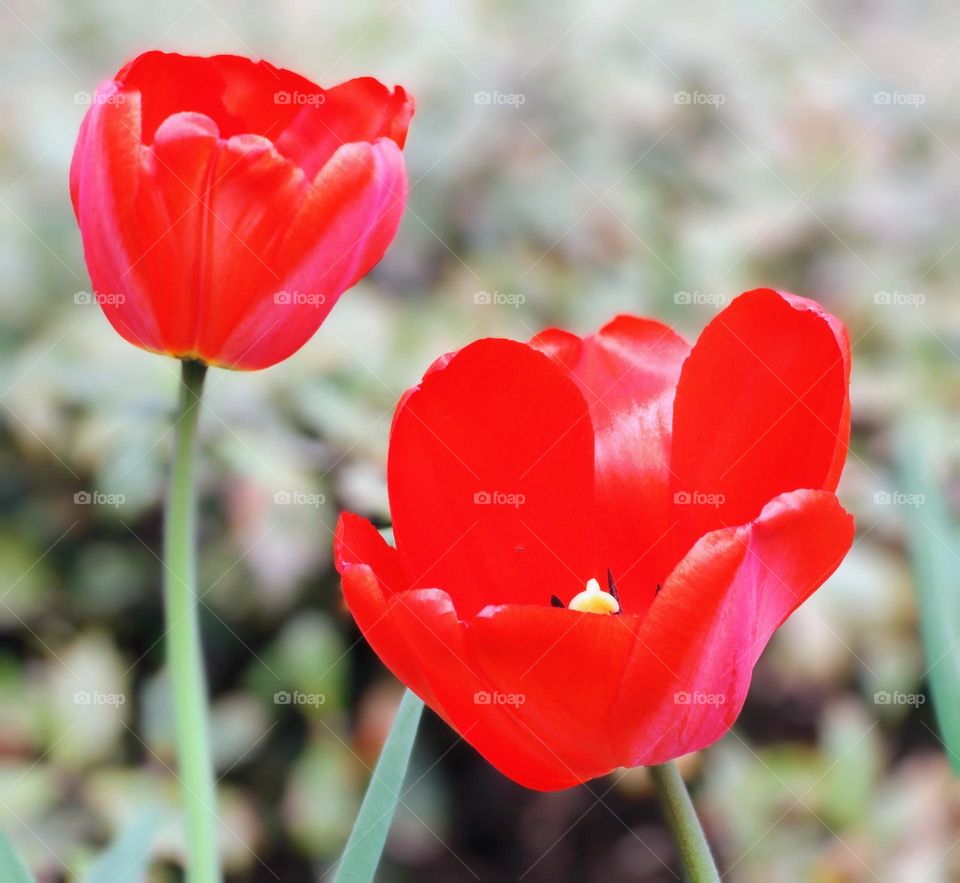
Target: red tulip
225,204
688,493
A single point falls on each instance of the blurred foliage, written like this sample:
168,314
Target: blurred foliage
831,167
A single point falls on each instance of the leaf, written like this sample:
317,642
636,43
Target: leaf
362,853
126,859
935,553
12,868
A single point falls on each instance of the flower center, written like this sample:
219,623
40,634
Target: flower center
594,600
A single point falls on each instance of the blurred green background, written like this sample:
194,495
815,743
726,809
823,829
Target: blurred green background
568,161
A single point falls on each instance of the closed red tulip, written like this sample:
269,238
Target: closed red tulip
225,204
596,537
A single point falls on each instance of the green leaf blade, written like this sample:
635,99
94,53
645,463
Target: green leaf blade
365,845
12,868
127,859
934,540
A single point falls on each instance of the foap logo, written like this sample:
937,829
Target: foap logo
96,498
713,99
300,99
899,298
298,498
498,498
299,299
906,99
510,99
886,697
697,697
899,498
699,498
499,298
87,98
87,697
284,697
104,298
699,299
486,697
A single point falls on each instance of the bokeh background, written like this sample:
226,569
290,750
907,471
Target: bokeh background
568,160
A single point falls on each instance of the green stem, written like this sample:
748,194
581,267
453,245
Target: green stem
184,651
362,853
683,822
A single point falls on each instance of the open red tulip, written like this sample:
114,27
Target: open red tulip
595,538
225,204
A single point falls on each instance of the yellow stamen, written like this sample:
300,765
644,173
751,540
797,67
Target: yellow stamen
594,600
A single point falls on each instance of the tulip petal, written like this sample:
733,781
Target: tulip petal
561,669
306,122
335,236
357,541
491,479
360,110
466,700
211,216
762,407
104,179
374,612
418,637
691,666
628,372
245,284
236,93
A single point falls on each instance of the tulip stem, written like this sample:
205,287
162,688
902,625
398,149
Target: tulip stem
684,824
184,651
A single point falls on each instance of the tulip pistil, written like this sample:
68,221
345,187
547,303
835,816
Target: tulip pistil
594,600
